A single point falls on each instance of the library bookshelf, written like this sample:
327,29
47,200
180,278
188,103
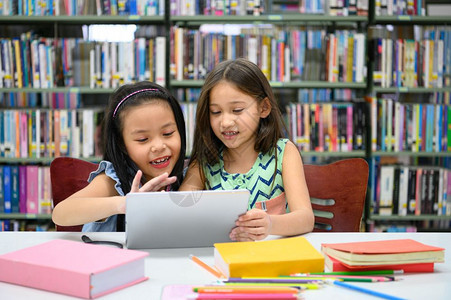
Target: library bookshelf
320,87
410,144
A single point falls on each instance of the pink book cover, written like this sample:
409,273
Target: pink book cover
32,189
383,247
419,187
23,134
68,267
23,189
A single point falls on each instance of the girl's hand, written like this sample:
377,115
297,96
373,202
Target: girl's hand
153,185
252,226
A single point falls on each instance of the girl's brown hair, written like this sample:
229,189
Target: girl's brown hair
250,80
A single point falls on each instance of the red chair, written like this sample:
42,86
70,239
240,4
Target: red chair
337,192
69,175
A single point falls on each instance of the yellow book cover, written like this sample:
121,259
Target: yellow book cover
268,258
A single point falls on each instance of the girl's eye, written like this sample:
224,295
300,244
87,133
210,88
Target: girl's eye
141,140
238,110
169,133
215,112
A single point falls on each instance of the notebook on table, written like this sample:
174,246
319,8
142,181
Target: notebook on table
182,219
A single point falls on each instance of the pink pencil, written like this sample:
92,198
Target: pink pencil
247,296
375,278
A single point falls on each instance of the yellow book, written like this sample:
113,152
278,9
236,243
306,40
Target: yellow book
268,258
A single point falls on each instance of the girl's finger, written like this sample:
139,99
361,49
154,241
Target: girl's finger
252,223
136,182
158,183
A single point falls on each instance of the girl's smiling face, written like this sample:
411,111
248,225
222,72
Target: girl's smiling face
235,116
151,137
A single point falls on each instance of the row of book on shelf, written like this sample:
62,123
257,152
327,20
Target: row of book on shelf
39,133
334,7
411,127
409,226
400,7
218,7
423,61
32,61
284,54
327,127
409,190
25,189
81,7
25,225
303,95
35,133
267,7
42,100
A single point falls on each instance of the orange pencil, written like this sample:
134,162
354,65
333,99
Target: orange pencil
205,266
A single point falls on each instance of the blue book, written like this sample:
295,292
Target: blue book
7,188
15,189
133,7
5,225
439,127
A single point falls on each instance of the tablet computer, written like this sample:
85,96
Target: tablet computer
182,219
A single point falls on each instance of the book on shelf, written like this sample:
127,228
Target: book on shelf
283,256
73,268
373,253
335,265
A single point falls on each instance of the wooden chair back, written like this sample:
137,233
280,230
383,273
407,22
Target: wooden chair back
69,175
338,192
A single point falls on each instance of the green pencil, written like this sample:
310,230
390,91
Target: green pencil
373,272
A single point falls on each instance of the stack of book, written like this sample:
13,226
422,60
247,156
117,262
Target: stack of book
402,254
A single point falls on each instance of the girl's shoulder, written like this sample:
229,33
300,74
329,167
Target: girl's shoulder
281,144
107,168
104,167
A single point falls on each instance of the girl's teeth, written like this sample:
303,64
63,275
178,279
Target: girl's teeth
160,160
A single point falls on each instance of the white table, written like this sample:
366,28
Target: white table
173,266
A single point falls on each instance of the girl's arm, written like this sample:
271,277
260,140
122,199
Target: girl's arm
300,219
256,224
192,180
99,199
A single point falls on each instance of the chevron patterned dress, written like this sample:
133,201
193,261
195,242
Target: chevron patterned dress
259,181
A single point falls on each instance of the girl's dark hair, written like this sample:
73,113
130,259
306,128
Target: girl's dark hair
113,142
249,79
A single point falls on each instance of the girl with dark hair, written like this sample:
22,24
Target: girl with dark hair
144,150
239,144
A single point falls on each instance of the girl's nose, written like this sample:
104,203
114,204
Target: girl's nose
227,120
157,146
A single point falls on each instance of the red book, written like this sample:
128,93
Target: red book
384,252
334,265
73,268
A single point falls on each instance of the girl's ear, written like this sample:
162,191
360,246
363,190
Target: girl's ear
265,108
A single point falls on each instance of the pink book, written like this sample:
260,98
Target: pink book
23,134
23,189
73,268
32,189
